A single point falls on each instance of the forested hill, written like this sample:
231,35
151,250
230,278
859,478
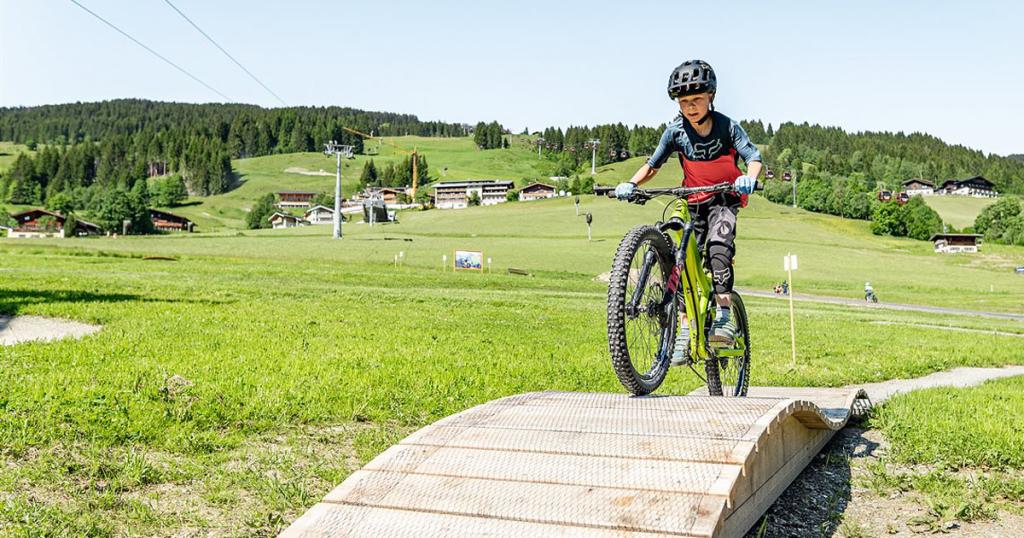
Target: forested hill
114,144
885,157
246,130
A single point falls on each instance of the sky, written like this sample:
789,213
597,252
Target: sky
951,69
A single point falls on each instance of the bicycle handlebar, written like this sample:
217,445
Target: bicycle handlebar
643,195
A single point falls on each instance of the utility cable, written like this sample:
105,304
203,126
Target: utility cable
232,58
151,51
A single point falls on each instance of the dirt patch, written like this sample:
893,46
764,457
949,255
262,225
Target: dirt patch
17,329
306,171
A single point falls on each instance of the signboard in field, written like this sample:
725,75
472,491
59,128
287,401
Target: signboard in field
471,260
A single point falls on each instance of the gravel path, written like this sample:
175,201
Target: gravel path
890,306
18,329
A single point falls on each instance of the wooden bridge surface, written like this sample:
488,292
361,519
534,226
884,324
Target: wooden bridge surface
578,464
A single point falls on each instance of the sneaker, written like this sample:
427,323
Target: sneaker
723,330
681,349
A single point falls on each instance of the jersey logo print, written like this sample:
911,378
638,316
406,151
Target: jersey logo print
707,150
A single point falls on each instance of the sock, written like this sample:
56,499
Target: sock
723,315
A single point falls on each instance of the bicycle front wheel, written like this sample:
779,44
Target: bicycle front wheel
641,316
728,369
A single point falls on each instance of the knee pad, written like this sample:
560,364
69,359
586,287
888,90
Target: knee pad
722,276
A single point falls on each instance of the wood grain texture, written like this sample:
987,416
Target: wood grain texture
576,464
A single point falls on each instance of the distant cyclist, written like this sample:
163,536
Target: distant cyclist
709,145
869,293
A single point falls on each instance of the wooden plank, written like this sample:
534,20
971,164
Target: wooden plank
554,463
342,521
585,443
598,471
560,504
649,422
805,444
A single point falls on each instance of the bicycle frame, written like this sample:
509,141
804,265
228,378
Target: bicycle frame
697,292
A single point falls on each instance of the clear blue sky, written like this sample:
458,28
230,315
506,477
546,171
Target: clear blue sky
952,69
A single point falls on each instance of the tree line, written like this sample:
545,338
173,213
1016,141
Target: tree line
1002,222
394,175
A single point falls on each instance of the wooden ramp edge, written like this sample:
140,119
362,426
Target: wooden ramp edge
582,464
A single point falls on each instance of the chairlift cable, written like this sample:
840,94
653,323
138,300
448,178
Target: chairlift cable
232,58
151,51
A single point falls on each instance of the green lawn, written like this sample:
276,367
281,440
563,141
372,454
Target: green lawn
9,152
228,391
836,255
958,211
961,449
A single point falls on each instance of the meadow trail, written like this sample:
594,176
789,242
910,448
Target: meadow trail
890,306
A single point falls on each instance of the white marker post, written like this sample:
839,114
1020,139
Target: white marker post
789,264
444,263
488,264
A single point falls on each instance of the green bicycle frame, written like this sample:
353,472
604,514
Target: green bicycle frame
697,291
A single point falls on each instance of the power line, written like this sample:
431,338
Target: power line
232,58
151,51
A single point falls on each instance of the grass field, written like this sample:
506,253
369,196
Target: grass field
228,391
958,211
9,152
961,449
231,388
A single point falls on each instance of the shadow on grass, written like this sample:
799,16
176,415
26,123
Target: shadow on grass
12,301
813,505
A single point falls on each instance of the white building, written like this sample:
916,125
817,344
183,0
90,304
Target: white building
319,214
976,186
456,194
915,187
283,220
537,191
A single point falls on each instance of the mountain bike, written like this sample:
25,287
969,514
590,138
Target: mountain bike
658,273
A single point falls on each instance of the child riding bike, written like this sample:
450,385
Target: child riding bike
709,145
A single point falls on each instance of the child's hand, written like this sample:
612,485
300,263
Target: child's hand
745,184
624,190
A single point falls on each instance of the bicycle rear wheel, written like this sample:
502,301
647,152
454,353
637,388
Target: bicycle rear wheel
728,369
641,318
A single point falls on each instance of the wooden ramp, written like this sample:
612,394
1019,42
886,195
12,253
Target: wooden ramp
572,464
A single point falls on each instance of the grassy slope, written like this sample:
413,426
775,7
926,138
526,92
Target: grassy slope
836,255
958,211
9,152
260,175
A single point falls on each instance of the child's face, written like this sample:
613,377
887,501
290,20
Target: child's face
694,107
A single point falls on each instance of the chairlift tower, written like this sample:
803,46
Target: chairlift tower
338,150
540,144
594,142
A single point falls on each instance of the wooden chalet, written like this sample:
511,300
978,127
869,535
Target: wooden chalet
918,187
43,223
295,198
976,186
537,191
169,222
955,243
320,214
284,220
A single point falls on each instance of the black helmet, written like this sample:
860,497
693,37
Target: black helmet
694,76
